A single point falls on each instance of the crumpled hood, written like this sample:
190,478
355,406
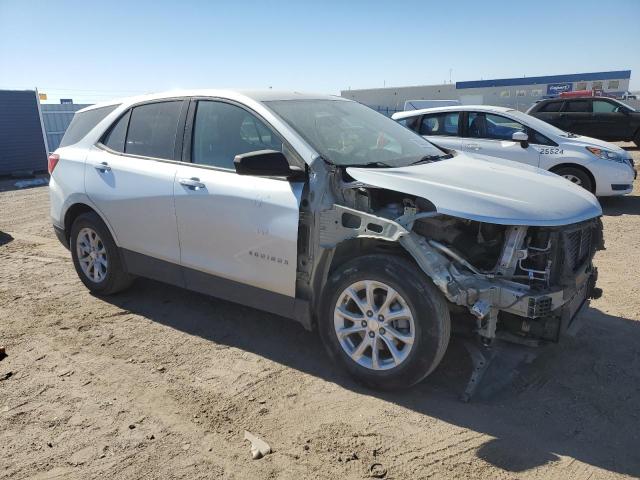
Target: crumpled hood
492,191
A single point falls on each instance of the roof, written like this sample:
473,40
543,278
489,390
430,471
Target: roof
452,108
256,95
574,77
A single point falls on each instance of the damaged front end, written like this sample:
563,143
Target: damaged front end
518,283
505,280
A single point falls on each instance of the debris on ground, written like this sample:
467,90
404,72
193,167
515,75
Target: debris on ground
3,353
35,182
6,376
259,448
377,471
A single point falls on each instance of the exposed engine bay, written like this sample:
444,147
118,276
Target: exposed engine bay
517,283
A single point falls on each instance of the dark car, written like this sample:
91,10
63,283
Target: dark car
597,117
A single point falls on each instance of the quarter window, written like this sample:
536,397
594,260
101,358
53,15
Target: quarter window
577,106
223,131
153,128
440,124
115,137
496,127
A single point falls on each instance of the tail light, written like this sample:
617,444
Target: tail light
53,161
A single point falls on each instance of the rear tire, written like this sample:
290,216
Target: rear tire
576,176
409,346
96,257
636,139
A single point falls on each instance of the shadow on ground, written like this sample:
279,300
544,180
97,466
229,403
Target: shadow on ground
5,238
614,206
578,399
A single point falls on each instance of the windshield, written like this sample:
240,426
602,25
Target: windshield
539,125
348,133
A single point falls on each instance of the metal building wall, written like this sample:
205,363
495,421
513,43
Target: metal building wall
22,144
56,119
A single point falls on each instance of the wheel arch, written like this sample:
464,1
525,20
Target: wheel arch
577,166
77,209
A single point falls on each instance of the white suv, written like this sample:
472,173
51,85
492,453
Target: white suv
320,209
598,166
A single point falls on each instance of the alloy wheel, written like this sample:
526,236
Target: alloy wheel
374,325
92,255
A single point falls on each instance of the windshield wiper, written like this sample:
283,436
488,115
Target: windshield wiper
432,158
370,165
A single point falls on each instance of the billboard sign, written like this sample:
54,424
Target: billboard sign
558,88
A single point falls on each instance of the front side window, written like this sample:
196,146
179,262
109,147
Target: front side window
152,129
577,106
440,124
602,106
349,133
495,127
223,130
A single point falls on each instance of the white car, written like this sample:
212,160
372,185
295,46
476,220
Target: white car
600,167
319,209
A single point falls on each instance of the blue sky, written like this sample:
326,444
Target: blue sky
93,51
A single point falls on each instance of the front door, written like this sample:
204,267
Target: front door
491,134
234,229
609,121
129,180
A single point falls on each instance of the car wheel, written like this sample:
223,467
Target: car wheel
577,176
96,257
636,139
384,321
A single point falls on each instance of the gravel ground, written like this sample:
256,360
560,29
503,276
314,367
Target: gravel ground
159,382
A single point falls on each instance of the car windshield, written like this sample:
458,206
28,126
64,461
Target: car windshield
348,133
540,125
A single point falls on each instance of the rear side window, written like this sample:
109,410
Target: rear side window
152,130
551,107
115,137
577,106
83,123
440,124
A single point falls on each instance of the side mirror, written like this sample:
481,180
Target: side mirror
265,163
521,137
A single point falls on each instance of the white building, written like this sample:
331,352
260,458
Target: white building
519,93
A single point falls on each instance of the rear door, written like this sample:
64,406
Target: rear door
441,129
129,176
575,116
609,120
232,227
491,134
549,112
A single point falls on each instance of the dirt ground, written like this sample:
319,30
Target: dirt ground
159,382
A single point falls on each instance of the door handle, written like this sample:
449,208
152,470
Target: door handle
103,167
473,146
192,183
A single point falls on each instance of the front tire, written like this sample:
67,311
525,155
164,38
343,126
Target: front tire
384,321
576,176
96,257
